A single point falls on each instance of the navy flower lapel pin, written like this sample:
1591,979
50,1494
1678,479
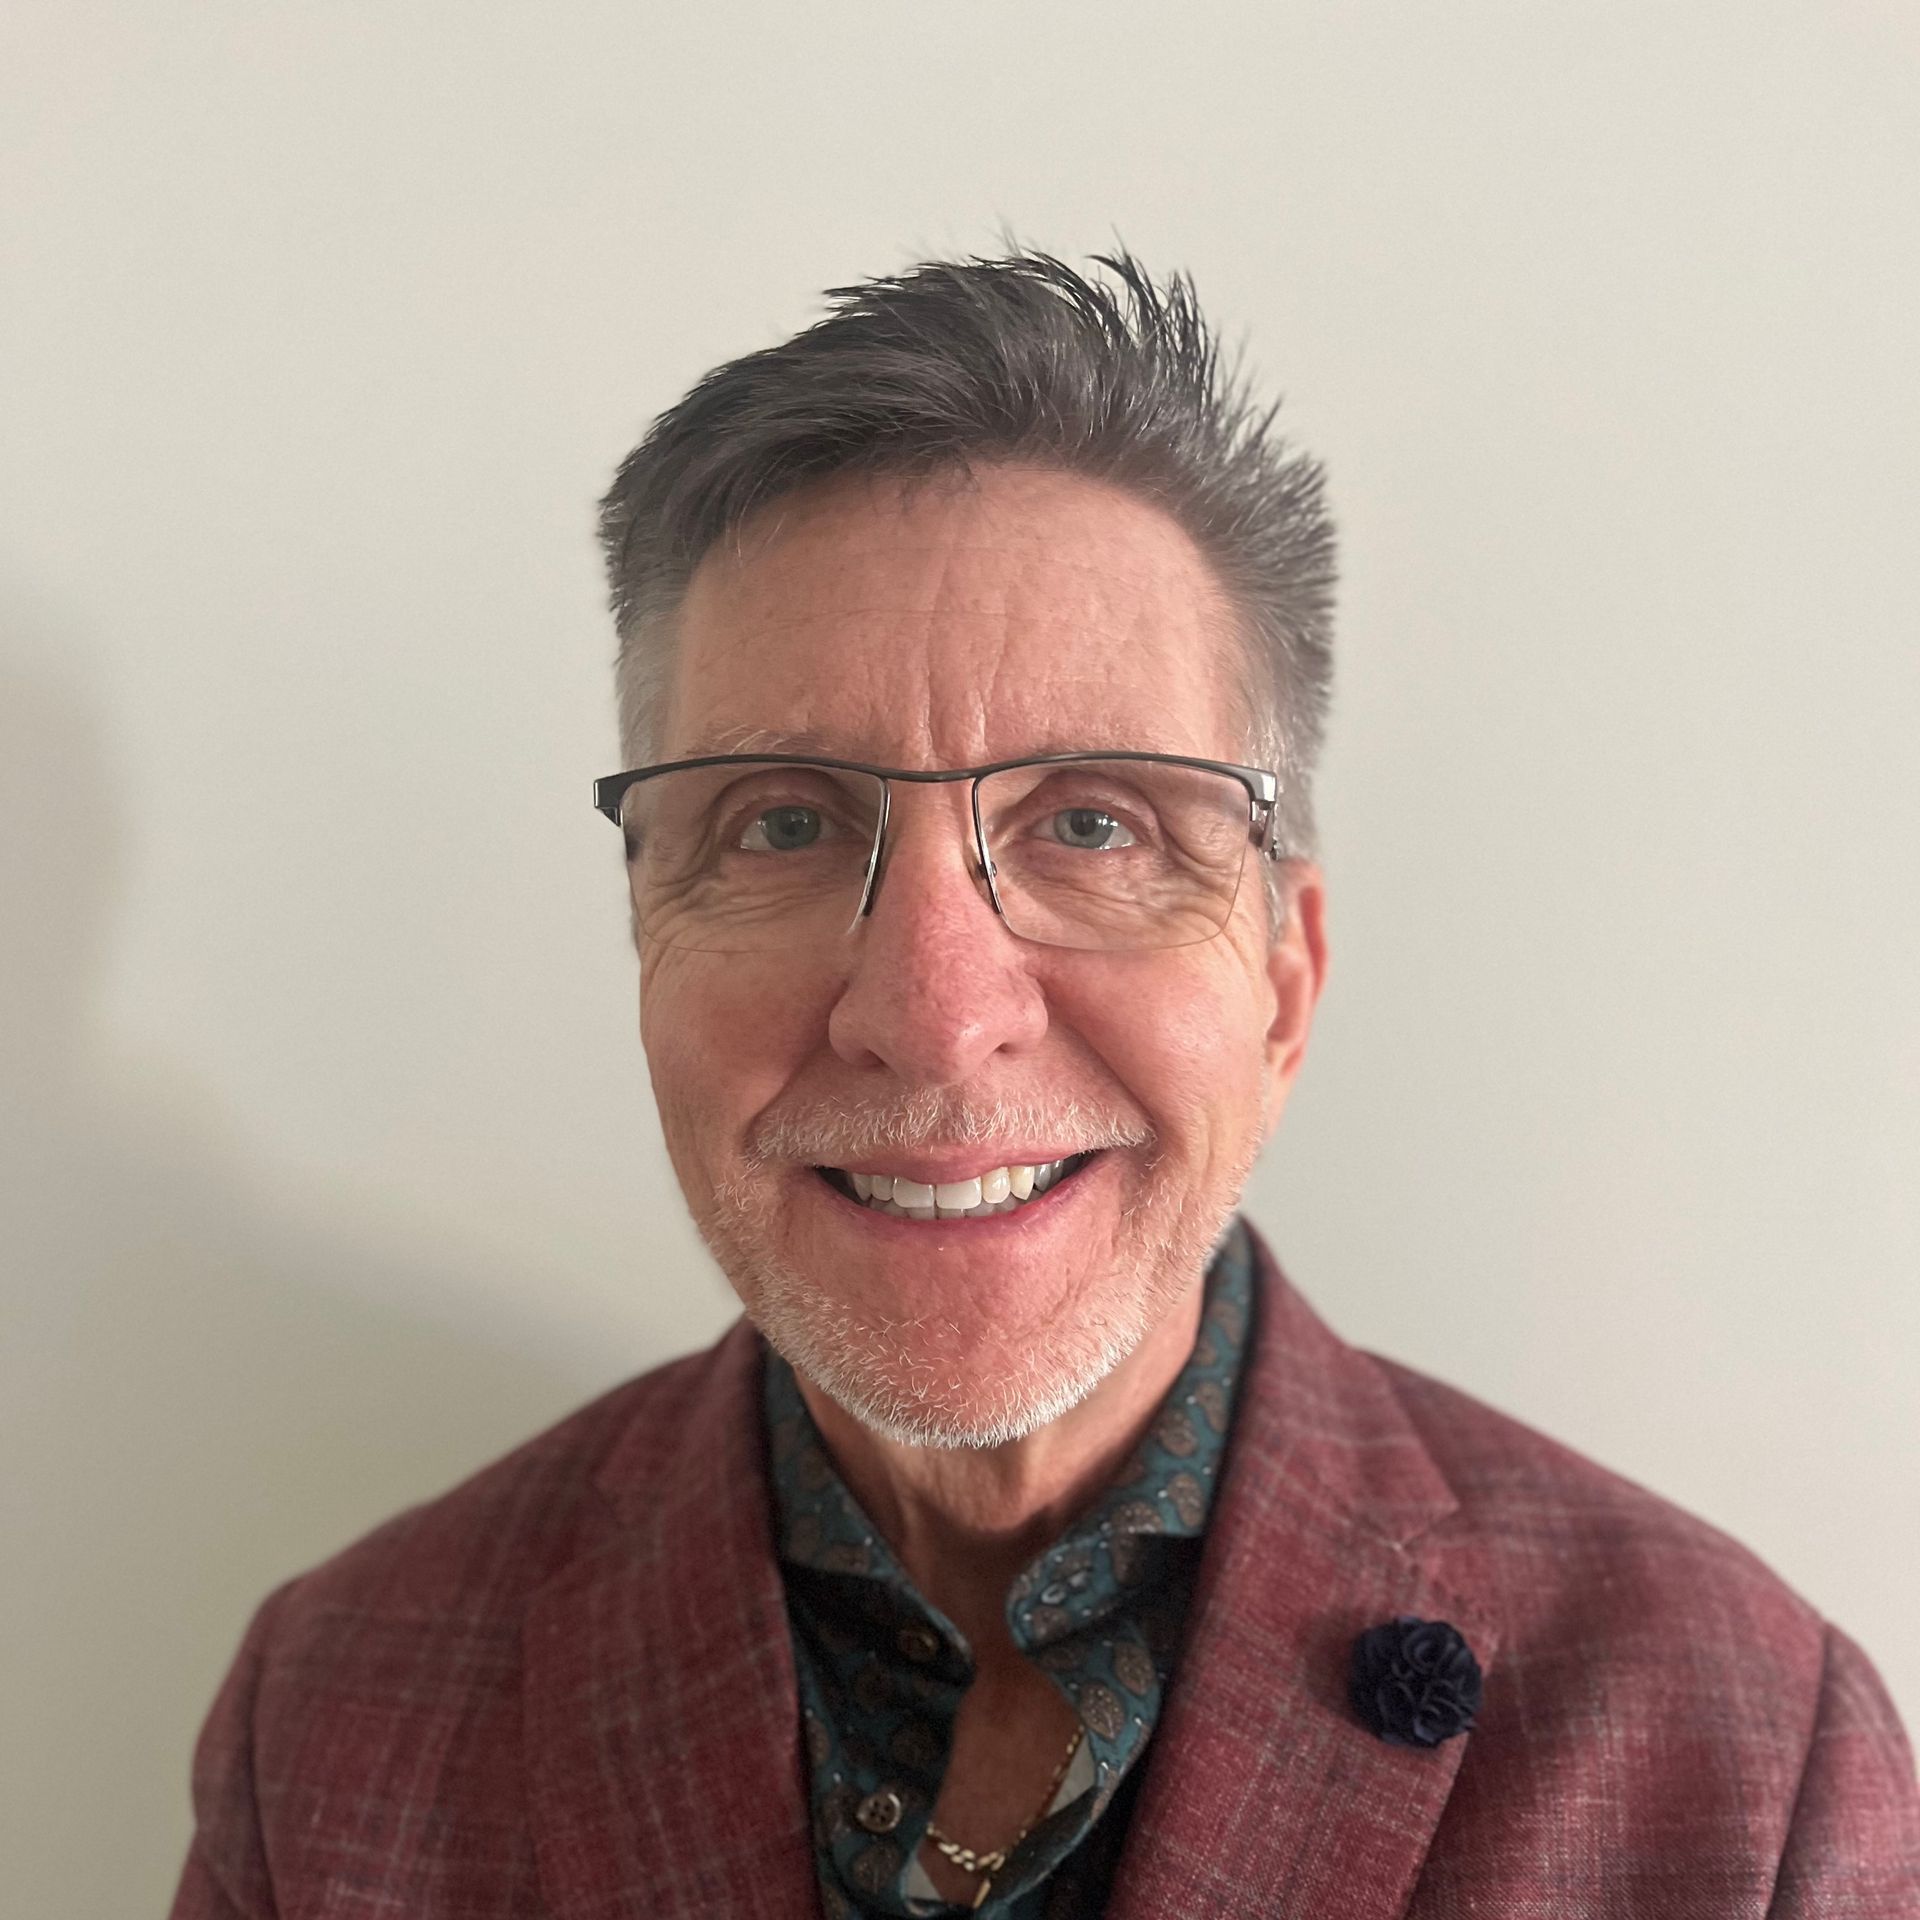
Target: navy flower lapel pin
1414,1682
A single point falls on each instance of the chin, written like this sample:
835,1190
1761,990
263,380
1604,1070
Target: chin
943,1378
927,1383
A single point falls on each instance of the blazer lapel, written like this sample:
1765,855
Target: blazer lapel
1265,1794
664,1773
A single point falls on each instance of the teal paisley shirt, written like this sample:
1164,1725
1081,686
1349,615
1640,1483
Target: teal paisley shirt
881,1673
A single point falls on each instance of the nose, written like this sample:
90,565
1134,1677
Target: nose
936,985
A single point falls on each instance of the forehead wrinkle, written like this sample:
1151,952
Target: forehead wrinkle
994,636
996,709
732,639
1008,594
852,746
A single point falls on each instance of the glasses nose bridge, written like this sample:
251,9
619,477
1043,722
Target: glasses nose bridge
980,867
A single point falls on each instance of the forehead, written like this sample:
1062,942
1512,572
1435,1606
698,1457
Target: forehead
959,620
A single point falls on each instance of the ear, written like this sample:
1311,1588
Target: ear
1296,972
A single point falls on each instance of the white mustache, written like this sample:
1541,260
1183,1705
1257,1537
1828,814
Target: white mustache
840,1133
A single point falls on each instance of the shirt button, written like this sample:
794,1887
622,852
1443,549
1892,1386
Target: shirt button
879,1812
919,1643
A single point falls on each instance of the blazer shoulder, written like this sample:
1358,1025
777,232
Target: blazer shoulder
484,1544
1656,1692
1587,1541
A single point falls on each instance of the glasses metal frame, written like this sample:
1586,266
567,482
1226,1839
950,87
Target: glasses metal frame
1263,796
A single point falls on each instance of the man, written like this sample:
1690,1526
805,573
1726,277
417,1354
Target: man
1030,1546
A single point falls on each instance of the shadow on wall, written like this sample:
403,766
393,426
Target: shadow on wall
193,1405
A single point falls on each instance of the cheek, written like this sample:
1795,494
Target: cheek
1188,1044
722,1036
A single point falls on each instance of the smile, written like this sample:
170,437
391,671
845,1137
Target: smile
998,1190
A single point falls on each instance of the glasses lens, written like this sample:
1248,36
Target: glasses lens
1116,853
750,856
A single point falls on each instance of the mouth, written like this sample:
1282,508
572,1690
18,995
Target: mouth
983,1196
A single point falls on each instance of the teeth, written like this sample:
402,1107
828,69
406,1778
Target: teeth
956,1197
1000,1190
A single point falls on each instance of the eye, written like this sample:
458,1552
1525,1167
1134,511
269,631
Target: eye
1089,829
784,830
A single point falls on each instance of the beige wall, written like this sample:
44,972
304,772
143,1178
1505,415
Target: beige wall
329,1166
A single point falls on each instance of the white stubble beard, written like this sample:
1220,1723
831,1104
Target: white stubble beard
889,1374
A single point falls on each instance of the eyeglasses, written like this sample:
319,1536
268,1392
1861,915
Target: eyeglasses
739,853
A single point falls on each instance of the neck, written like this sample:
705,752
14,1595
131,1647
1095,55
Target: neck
964,1521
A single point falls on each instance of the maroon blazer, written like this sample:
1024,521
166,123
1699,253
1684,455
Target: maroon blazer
565,1688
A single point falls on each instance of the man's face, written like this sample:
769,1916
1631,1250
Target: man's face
1024,613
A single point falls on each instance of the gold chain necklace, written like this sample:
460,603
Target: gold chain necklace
986,1865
